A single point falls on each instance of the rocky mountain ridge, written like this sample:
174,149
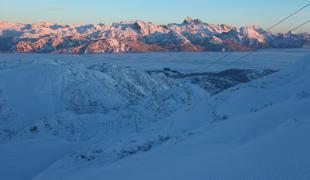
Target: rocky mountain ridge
139,36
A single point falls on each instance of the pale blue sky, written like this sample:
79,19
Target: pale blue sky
233,12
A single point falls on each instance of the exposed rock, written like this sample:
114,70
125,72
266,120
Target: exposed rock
139,36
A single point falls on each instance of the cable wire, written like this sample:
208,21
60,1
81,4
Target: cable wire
293,29
301,25
286,18
275,25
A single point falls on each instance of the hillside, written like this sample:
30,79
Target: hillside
75,119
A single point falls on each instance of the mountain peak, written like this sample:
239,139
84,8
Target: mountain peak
189,20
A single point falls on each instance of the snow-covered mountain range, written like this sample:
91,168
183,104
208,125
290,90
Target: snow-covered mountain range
140,36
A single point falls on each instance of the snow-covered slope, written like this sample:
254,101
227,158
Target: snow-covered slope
140,36
91,120
261,132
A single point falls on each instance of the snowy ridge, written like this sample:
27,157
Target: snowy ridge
140,36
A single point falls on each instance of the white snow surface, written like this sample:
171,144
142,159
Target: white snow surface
66,117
